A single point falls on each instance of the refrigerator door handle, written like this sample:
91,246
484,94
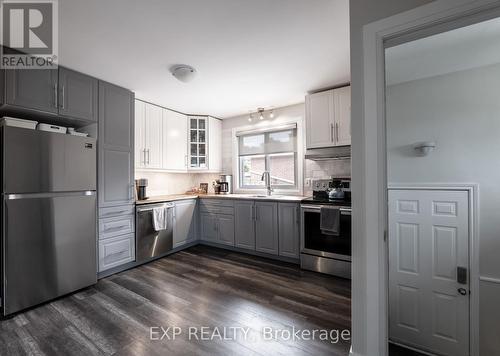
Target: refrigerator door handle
49,195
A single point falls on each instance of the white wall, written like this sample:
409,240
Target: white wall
160,183
312,169
365,323
461,112
281,115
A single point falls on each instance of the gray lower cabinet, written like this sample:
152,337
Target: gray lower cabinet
116,145
289,229
34,89
217,221
244,224
116,236
208,227
266,227
225,229
77,95
184,222
116,251
217,228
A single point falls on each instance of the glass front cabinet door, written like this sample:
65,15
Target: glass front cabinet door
198,135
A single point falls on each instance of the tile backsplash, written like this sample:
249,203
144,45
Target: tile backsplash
161,183
325,169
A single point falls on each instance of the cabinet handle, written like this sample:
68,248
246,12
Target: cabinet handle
115,228
62,97
56,95
253,212
332,135
148,156
337,131
256,213
115,213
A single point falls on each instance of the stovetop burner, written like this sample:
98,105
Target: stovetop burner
326,201
321,187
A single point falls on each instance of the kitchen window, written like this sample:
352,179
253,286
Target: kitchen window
274,151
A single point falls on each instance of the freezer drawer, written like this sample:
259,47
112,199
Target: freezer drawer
37,161
50,247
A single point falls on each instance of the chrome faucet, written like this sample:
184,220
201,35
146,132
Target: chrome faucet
266,177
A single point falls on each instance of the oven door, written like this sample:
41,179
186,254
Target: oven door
314,242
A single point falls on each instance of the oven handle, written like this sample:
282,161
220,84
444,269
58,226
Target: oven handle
343,211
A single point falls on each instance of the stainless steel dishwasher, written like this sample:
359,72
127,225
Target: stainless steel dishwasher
151,244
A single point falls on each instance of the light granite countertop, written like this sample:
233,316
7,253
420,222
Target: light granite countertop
176,197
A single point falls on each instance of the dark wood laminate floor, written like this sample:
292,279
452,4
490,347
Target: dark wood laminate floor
199,287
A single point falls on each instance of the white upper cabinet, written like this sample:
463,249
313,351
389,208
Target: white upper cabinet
197,142
148,135
153,136
140,135
174,141
320,120
170,141
328,118
214,145
342,98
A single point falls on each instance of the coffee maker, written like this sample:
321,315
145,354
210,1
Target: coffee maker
140,186
226,184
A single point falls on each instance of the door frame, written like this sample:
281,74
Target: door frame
370,253
472,190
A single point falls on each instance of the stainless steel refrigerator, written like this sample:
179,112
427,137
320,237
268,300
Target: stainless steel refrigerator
48,216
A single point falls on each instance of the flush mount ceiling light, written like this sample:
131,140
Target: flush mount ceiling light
183,72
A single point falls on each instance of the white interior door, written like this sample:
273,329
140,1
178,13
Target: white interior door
428,242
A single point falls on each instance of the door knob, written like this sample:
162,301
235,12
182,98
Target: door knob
462,291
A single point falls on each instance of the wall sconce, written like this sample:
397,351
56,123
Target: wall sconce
424,148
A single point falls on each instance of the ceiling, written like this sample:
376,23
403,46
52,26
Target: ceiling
248,53
460,49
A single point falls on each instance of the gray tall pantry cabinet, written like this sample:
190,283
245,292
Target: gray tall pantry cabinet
116,177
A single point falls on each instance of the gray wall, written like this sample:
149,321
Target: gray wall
363,12
461,112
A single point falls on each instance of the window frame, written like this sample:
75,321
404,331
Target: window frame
267,158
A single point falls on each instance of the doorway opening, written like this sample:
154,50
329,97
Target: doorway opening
442,131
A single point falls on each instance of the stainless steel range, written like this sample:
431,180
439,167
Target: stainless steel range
323,250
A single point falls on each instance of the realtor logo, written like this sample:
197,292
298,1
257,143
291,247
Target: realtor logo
29,34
